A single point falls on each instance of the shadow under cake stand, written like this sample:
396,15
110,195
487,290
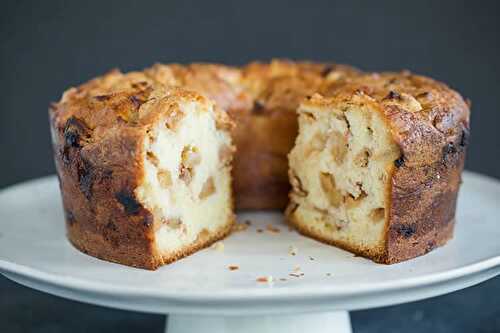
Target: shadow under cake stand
310,291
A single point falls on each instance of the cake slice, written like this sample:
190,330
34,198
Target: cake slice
376,165
144,169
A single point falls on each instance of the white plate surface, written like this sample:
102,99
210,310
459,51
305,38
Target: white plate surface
34,251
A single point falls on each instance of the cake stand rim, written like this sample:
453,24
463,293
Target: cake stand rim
76,285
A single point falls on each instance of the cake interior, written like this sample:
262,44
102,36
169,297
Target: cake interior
187,179
340,172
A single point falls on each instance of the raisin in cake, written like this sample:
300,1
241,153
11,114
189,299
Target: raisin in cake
377,163
144,169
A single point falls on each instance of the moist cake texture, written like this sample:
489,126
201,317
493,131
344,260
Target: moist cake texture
377,163
144,169
147,174
262,99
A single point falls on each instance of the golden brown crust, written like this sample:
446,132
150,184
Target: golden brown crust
266,132
96,244
262,99
430,124
438,238
98,130
98,133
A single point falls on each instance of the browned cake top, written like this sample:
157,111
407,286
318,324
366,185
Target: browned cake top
114,101
417,108
425,115
283,84
133,99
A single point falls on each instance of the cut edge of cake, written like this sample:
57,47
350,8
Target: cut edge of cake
340,171
187,181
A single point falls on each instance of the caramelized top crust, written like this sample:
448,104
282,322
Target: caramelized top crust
115,101
283,84
220,83
426,117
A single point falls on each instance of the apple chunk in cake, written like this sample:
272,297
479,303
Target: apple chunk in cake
340,173
187,178
145,170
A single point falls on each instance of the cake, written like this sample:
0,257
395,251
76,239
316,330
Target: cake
149,161
262,98
266,132
144,169
376,166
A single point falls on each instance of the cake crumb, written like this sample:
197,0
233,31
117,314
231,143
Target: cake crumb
264,279
218,246
272,229
233,267
292,250
248,222
297,272
297,275
260,231
239,227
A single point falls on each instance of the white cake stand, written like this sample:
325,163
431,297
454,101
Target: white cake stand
201,294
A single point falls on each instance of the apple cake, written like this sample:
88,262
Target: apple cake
377,164
370,162
262,99
144,169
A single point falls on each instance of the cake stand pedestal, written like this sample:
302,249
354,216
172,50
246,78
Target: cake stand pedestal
336,322
310,291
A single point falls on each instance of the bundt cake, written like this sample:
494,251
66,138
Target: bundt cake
144,158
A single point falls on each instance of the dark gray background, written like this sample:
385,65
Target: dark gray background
49,46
